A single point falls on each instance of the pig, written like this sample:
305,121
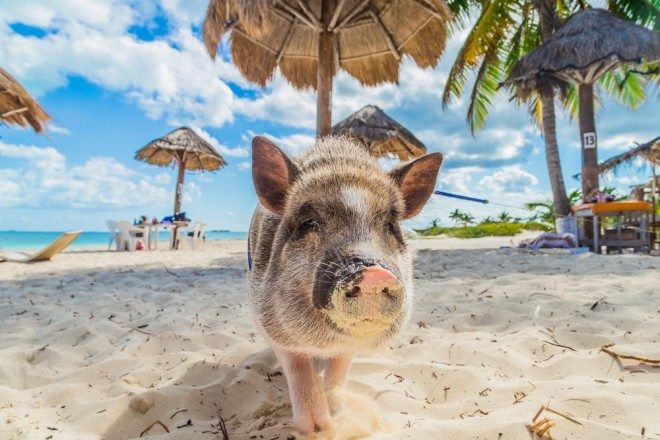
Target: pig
329,270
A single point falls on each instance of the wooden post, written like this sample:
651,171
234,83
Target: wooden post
179,184
588,139
325,72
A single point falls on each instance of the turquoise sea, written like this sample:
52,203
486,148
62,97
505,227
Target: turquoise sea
37,239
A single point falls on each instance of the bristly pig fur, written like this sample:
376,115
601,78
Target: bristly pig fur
330,271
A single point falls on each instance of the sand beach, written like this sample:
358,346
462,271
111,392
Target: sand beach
103,345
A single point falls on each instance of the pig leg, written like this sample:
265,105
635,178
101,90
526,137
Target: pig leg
335,377
308,402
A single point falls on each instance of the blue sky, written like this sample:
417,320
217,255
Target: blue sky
116,74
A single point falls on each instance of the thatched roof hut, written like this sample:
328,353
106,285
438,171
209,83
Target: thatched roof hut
310,41
380,134
589,44
650,151
185,149
18,107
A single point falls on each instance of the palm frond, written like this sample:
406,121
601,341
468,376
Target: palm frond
643,12
626,89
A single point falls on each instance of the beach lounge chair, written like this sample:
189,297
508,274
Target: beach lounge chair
57,246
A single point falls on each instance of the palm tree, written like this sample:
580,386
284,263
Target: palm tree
504,217
461,217
455,215
506,30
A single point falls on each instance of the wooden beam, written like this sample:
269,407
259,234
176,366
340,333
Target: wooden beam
310,14
422,4
258,43
361,7
386,34
375,54
335,15
411,36
297,14
286,41
336,42
13,112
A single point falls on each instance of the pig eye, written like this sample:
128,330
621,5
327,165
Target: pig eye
307,226
391,227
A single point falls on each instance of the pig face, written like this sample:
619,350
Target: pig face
339,262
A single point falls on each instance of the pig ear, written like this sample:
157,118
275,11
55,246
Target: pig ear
272,172
417,181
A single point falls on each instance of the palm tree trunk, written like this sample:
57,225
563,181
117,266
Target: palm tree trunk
562,206
546,10
588,137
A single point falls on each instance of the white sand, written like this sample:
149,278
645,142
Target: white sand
92,339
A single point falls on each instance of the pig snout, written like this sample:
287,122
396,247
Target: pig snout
362,297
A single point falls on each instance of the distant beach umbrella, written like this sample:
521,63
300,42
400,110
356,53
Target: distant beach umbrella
18,107
380,134
583,49
184,149
310,41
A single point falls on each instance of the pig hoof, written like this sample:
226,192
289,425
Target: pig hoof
313,421
335,403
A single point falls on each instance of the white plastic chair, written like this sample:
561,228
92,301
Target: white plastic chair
129,235
196,235
114,233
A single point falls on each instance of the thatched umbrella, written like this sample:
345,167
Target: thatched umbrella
380,134
649,151
185,149
18,107
583,49
310,41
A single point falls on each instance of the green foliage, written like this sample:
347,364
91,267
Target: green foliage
483,229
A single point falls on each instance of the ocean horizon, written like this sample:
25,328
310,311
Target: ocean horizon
21,240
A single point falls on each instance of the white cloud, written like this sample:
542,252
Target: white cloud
44,179
508,179
57,129
244,166
293,144
222,149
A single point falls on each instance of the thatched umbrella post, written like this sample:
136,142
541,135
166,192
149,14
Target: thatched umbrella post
326,72
311,41
181,175
588,45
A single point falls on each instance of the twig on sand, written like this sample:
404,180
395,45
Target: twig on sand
542,427
172,273
554,341
157,422
223,428
606,349
188,423
179,411
560,345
